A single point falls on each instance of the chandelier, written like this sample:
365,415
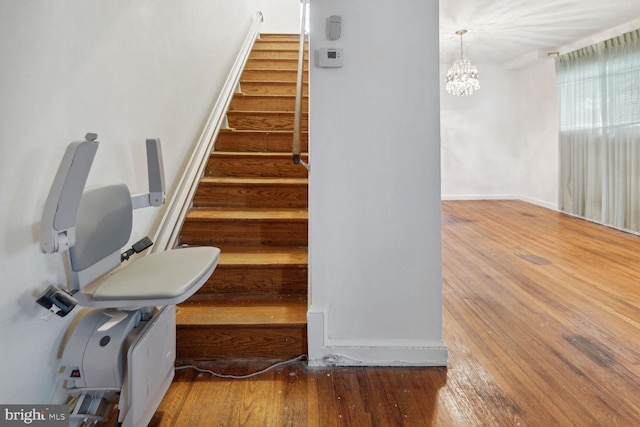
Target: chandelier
462,77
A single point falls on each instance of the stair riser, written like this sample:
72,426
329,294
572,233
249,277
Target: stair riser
258,141
277,53
275,63
242,102
244,233
279,36
239,166
258,196
241,120
240,342
273,75
278,44
257,280
270,88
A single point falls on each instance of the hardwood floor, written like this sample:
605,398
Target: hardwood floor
542,319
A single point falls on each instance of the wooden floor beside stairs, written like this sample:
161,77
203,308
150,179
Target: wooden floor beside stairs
541,316
252,204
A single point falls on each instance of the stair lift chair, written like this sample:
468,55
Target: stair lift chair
122,348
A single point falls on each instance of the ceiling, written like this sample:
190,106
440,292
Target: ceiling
500,31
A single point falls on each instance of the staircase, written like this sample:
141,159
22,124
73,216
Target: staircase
252,204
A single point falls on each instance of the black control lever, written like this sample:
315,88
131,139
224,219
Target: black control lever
137,247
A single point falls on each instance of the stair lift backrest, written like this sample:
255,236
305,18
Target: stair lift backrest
94,225
103,228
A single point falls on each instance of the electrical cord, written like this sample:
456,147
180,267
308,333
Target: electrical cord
300,358
243,377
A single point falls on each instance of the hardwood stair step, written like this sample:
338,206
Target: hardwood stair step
257,87
275,63
265,120
252,192
277,53
238,327
254,165
265,270
263,102
279,36
258,141
279,44
270,74
255,227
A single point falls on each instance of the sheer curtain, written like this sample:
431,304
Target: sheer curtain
599,102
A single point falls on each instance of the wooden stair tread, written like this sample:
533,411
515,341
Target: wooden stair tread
283,82
243,310
278,35
268,96
264,256
248,214
254,181
257,132
285,48
279,45
270,154
266,112
269,69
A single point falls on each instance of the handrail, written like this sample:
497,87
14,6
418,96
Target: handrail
167,232
297,132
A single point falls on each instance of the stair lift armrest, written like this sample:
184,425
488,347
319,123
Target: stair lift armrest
58,224
155,171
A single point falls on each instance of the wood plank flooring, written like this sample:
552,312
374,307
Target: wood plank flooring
542,320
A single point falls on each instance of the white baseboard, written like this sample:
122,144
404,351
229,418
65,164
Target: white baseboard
534,201
552,206
369,352
479,197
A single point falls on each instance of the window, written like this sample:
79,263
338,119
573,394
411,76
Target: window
599,102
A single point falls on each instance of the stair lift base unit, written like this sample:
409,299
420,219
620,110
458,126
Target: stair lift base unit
121,349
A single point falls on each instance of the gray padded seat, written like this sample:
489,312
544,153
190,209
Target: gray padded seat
103,227
159,276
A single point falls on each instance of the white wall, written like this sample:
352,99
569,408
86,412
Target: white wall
501,142
281,16
480,143
374,206
126,70
537,134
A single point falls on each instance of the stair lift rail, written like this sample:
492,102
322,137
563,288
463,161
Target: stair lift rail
297,132
121,348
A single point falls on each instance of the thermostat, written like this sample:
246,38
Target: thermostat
329,57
